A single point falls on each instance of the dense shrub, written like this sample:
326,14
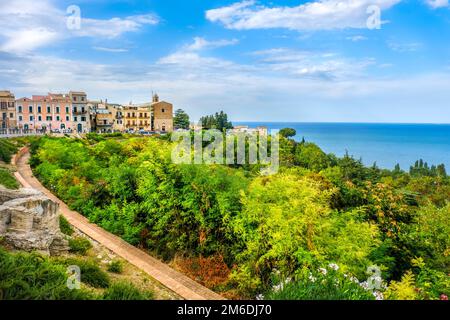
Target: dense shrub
115,266
65,226
91,274
79,245
31,276
7,150
7,179
318,208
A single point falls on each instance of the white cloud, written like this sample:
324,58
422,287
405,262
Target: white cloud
404,46
316,15
201,43
356,38
435,4
26,25
113,50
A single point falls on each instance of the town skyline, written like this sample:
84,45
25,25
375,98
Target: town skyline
256,60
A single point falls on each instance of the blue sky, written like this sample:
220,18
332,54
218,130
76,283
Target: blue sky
286,60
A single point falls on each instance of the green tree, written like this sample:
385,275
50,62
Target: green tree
181,119
217,121
288,132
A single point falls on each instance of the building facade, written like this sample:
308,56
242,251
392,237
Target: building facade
81,121
46,113
8,115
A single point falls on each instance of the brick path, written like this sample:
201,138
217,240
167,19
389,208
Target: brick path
174,280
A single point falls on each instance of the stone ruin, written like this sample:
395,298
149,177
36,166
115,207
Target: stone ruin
30,221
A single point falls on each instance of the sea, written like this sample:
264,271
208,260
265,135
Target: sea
385,144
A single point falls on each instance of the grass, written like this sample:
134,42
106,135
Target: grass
115,267
7,150
79,245
25,276
65,226
7,179
91,274
126,291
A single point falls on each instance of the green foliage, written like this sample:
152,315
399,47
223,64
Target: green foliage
65,226
327,284
287,223
7,179
79,245
91,274
25,276
310,156
7,150
318,208
125,291
217,121
181,119
288,132
115,267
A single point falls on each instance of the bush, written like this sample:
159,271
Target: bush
7,179
26,276
323,284
115,266
126,291
79,245
91,274
7,149
65,226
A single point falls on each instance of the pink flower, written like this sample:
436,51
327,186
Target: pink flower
444,297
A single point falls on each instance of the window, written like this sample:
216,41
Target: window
67,109
74,98
11,115
30,109
57,109
75,119
140,115
83,119
49,110
20,118
58,118
20,109
82,98
31,118
39,118
67,118
74,109
162,110
39,109
49,118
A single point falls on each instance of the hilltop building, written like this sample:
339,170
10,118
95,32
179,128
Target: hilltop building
73,112
7,110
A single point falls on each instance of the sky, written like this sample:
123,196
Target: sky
283,60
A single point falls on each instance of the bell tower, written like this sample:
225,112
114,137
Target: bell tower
155,98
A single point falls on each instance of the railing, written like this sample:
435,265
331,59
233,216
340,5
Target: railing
10,133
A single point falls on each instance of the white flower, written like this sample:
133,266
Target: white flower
334,266
287,280
260,297
311,278
277,287
378,295
323,271
355,280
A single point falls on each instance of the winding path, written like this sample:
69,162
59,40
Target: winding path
173,280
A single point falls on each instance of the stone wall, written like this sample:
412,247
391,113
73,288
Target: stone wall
30,221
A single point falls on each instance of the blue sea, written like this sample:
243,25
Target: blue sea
385,144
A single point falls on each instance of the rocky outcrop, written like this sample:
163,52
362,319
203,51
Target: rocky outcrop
30,221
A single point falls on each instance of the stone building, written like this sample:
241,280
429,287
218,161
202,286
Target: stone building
8,119
162,115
